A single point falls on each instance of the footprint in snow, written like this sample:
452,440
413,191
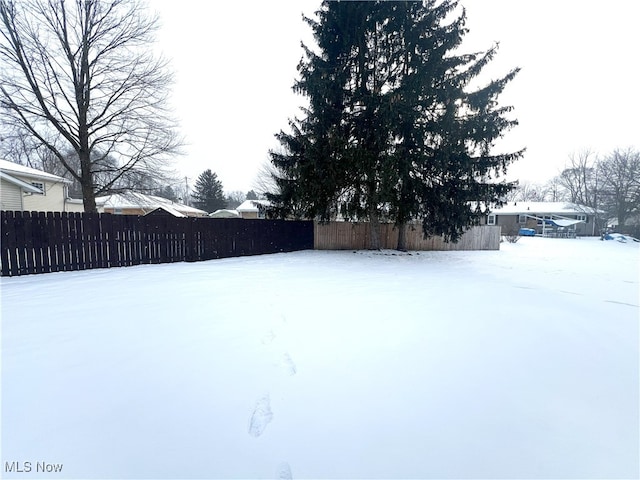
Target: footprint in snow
260,417
288,364
268,338
284,471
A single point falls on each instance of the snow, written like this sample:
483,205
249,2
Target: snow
252,205
136,200
559,208
518,363
619,237
18,169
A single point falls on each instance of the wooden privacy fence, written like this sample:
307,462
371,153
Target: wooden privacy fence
39,242
355,236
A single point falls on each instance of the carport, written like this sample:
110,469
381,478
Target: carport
558,227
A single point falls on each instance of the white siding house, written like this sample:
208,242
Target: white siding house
12,192
253,208
29,189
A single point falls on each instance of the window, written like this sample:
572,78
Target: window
491,219
522,219
581,217
39,185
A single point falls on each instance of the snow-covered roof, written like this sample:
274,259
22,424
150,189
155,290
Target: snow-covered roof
12,168
252,205
27,187
145,202
561,222
543,208
225,213
169,210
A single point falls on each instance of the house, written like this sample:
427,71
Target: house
225,213
28,189
546,218
253,208
165,211
631,225
134,203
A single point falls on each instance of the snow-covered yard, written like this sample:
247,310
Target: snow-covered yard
518,363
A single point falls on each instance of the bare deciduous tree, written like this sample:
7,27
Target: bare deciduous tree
79,75
526,192
620,178
552,190
265,180
235,198
579,178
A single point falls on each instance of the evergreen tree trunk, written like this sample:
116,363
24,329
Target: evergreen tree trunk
374,219
402,237
374,229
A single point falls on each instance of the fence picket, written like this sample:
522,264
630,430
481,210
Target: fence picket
9,244
21,243
55,252
40,242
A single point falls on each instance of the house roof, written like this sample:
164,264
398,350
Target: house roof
543,208
12,169
27,187
252,205
225,213
170,210
145,202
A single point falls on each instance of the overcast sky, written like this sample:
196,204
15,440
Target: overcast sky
235,63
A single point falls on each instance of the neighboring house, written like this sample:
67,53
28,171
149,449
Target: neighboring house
546,218
253,208
133,203
225,213
28,189
165,211
631,225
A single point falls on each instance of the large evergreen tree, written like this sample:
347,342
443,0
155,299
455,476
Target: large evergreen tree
393,130
207,193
